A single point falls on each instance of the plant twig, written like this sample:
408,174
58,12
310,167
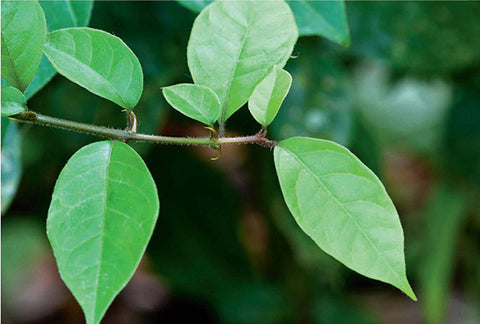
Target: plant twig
126,135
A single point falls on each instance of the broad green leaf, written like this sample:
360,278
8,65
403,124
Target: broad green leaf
98,61
235,44
59,14
194,101
23,38
323,18
343,207
103,211
444,216
11,162
268,96
13,101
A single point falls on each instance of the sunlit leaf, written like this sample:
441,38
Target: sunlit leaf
103,211
11,161
98,61
323,18
268,96
235,44
13,101
194,101
343,207
23,38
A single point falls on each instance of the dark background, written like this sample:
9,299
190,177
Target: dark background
404,97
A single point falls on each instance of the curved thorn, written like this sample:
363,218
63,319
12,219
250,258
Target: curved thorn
213,132
219,151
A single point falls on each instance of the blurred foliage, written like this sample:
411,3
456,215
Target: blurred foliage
404,97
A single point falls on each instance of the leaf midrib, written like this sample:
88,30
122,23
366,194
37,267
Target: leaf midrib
104,210
108,83
302,163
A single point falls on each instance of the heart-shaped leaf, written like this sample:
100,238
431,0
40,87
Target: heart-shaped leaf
98,61
268,96
343,207
13,101
24,32
235,44
103,211
194,101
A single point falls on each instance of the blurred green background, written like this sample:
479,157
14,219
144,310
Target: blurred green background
404,97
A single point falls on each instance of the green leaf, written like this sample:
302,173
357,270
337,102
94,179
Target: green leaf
23,38
343,207
194,101
67,13
98,61
103,211
235,44
323,18
268,96
11,162
13,101
59,14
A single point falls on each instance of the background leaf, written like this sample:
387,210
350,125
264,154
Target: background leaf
322,18
103,211
343,207
23,38
11,162
59,14
100,62
194,101
234,45
13,101
445,214
268,96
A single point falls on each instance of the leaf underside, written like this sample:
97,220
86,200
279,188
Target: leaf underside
13,101
103,211
343,207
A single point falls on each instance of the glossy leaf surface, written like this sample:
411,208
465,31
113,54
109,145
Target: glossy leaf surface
23,38
11,162
59,14
235,44
194,101
268,96
103,211
13,101
343,207
98,61
323,18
